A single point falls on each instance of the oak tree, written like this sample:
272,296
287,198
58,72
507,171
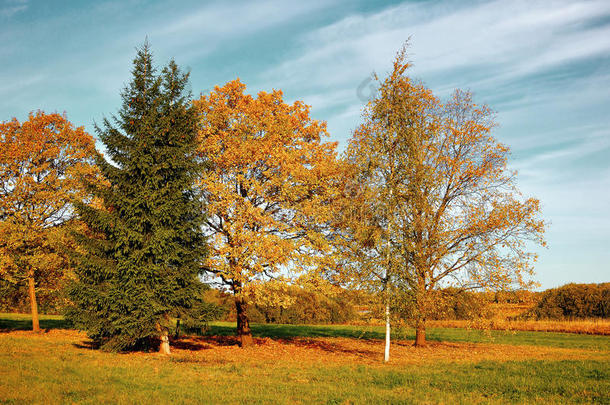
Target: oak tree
43,164
268,185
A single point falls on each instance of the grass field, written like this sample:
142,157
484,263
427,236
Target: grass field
583,326
306,364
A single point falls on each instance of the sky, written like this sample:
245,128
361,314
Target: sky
543,66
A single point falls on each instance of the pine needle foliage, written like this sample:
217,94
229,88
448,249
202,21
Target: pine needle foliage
139,261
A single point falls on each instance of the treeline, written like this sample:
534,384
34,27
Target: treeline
301,306
14,298
343,306
573,301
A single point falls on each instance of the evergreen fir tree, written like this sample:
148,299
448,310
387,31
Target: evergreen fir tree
139,262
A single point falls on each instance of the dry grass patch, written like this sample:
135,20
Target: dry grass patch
312,351
585,326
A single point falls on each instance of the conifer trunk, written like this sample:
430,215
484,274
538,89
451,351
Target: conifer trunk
163,335
33,303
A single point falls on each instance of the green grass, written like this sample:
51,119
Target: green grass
24,322
48,373
52,368
551,339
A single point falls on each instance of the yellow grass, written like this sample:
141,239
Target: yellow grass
582,326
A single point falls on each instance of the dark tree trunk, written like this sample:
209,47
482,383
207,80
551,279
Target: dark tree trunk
243,325
420,333
422,308
177,334
33,303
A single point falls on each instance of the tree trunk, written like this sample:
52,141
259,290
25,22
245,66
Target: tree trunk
422,307
33,303
386,356
420,333
177,334
163,335
243,325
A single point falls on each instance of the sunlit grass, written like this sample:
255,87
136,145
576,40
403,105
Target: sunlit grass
594,326
307,364
37,369
567,340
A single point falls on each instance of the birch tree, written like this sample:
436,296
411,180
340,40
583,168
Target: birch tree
454,215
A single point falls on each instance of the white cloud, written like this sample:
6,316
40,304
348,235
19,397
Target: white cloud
525,58
9,8
505,40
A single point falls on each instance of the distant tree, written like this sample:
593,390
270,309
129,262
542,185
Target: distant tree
267,188
140,258
573,301
454,215
43,162
326,304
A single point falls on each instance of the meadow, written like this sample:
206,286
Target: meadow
305,364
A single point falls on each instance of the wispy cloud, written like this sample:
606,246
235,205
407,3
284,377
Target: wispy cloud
544,66
186,31
503,39
9,8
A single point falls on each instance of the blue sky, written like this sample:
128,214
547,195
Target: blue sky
544,66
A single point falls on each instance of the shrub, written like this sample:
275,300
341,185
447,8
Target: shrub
573,301
448,303
308,307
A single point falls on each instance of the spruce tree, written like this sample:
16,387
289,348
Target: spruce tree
140,258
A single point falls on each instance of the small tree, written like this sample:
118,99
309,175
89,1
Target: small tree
140,261
370,217
42,164
458,218
267,187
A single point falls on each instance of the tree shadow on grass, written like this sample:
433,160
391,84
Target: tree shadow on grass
8,325
196,343
285,331
277,331
329,347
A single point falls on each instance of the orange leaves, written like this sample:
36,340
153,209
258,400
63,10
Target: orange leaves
43,162
270,176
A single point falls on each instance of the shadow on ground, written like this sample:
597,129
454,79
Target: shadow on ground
197,343
276,331
9,325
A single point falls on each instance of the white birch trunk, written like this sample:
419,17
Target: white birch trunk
386,356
